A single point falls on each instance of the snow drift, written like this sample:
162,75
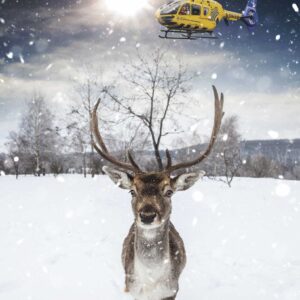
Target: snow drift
61,238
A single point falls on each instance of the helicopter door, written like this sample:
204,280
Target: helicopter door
196,14
196,10
207,16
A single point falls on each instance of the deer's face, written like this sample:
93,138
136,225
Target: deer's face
151,198
151,193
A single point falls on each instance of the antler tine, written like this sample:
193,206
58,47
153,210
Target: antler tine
219,103
101,148
169,159
132,161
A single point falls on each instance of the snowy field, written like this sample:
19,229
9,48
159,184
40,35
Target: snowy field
61,239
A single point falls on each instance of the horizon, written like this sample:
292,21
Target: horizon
290,141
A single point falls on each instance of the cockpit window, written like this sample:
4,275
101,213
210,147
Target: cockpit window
185,10
206,11
171,9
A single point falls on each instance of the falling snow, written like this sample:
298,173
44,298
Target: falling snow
214,76
295,7
21,59
49,67
225,137
273,134
10,55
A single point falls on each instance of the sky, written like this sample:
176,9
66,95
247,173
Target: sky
46,46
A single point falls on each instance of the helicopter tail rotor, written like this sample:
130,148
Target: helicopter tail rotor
250,16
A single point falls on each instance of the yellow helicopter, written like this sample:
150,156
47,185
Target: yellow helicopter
194,19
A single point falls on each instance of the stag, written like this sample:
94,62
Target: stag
153,253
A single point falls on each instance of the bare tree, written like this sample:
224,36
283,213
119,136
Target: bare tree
79,141
155,88
2,166
37,132
14,146
226,158
233,163
229,143
89,90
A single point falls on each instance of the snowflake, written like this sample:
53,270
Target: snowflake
273,134
214,76
10,55
295,7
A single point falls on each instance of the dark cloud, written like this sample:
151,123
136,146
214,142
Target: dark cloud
43,44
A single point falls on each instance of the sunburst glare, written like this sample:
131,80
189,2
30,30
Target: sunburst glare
126,8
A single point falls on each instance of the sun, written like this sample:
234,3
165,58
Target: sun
126,7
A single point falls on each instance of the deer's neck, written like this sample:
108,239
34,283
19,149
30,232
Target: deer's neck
152,245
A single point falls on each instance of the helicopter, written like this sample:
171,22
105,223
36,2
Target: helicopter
194,19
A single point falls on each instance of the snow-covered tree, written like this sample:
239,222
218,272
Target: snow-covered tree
226,158
37,133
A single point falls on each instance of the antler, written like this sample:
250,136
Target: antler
102,149
217,124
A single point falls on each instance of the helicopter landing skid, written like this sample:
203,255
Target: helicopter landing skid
179,34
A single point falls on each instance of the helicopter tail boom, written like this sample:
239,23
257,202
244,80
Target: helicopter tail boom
250,16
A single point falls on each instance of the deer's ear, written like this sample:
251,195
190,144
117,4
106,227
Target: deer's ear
121,179
185,181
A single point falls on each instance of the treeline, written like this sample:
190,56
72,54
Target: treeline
40,148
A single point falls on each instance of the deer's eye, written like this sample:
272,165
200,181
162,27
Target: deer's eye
132,193
169,193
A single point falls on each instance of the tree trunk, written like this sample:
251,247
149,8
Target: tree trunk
84,165
158,158
17,170
92,164
38,167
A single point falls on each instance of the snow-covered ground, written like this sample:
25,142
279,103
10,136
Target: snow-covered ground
60,239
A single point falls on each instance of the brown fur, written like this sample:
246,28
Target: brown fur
177,251
149,190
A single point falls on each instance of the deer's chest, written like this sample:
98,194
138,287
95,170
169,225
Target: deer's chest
152,281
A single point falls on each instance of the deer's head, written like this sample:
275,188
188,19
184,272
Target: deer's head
152,192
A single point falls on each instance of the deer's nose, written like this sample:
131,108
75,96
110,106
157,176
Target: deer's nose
147,218
148,215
